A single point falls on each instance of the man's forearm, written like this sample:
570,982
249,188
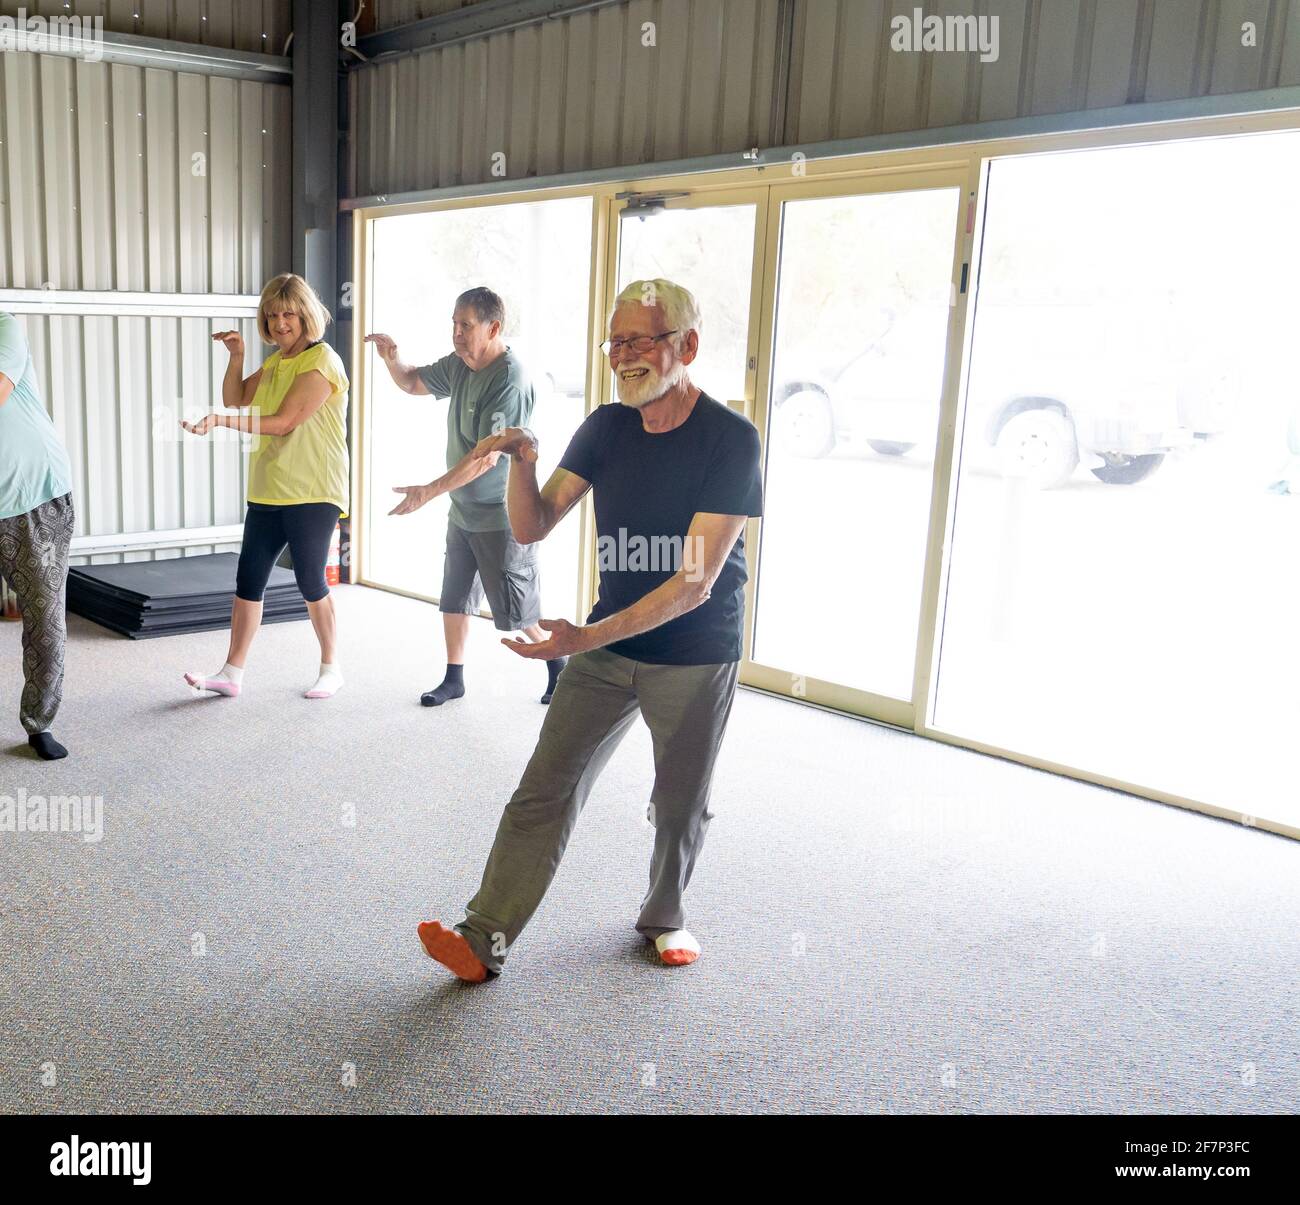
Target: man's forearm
405,376
674,597
529,520
467,469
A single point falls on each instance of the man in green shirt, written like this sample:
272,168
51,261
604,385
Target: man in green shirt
489,391
36,522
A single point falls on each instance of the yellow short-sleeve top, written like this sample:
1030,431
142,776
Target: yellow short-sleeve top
310,464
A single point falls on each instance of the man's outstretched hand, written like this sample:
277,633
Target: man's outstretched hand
416,497
566,639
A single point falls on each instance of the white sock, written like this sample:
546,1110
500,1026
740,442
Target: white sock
226,681
677,948
331,678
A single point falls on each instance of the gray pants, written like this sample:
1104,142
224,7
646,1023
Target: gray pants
34,560
596,701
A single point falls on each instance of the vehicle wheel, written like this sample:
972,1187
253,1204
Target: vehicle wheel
1128,470
1038,445
888,448
806,423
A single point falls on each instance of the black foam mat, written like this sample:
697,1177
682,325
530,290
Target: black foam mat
186,628
178,580
175,606
145,599
134,618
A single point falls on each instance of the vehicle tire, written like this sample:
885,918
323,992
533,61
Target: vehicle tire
1128,470
1038,445
888,447
806,424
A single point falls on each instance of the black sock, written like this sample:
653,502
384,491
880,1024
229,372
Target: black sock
47,748
553,669
451,687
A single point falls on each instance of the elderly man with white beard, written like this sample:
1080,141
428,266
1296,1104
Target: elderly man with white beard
675,471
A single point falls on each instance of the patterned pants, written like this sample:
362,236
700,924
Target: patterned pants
34,560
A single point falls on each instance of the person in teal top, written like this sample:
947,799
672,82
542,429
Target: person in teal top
36,523
489,390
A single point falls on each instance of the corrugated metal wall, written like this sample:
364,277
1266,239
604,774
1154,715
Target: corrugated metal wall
99,186
1054,56
388,13
583,92
118,388
260,25
102,189
574,93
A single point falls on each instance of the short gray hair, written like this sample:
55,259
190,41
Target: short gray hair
487,305
681,310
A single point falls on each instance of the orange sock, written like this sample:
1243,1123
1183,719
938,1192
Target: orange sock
453,951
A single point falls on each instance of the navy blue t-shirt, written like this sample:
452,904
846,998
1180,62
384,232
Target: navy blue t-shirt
647,488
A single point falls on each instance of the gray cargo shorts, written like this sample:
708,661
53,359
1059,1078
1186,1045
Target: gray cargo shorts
495,564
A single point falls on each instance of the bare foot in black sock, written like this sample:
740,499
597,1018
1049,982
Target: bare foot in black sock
47,748
451,687
553,671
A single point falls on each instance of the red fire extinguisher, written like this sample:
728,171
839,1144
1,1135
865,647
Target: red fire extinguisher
332,561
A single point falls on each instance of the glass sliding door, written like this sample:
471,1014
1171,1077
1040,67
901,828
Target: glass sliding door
1123,576
863,293
1099,578
537,255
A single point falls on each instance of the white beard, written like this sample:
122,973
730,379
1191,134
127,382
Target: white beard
649,388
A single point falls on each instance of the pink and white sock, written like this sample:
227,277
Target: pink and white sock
677,948
331,678
226,681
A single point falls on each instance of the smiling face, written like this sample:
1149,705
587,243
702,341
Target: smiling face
285,327
643,377
473,338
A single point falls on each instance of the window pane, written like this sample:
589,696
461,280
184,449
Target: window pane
538,257
1124,575
710,252
861,326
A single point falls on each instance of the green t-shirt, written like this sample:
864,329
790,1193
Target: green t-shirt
482,403
33,464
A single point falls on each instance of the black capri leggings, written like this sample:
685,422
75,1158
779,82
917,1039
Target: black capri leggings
306,527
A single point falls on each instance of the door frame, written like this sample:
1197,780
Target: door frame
840,697
361,512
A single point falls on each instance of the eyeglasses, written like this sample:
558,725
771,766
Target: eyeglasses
642,343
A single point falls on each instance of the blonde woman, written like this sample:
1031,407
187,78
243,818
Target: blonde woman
298,471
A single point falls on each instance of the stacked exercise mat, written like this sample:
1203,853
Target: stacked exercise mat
144,599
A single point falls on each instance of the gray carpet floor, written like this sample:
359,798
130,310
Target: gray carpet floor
889,924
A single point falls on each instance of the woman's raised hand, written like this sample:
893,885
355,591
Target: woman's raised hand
233,340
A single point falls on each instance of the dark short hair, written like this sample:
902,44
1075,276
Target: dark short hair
487,305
